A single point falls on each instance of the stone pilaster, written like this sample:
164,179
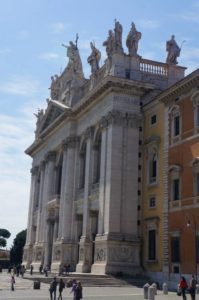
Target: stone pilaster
28,249
117,243
84,264
47,190
65,245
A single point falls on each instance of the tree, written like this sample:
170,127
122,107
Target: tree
4,234
16,251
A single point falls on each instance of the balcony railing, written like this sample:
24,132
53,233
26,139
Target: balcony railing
153,67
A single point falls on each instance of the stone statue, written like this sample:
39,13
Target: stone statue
74,64
94,58
118,37
55,86
173,51
132,40
39,116
110,44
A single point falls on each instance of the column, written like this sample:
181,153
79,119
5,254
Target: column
67,196
48,184
102,182
34,171
39,221
85,249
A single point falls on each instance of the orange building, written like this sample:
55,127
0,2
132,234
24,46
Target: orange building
181,176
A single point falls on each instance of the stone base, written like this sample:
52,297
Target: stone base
85,256
27,256
116,256
64,253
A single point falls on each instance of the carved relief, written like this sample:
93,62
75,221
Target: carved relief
81,254
57,254
123,254
100,254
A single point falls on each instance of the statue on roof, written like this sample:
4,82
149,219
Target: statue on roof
74,64
55,87
173,51
118,37
94,58
39,116
110,44
132,40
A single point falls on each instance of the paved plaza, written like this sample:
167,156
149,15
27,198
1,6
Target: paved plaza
24,290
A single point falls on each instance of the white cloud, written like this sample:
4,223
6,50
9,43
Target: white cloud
16,134
49,56
18,85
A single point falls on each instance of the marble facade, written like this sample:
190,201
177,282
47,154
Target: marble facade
84,178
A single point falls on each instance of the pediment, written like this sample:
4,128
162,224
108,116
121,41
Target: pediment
54,110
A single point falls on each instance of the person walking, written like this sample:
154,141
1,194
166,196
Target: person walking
61,287
183,286
53,289
74,285
12,283
78,291
192,284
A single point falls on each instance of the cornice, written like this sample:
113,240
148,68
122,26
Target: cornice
109,84
182,86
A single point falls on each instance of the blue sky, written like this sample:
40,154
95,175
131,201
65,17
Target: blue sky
32,32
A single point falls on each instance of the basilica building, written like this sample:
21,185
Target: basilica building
107,176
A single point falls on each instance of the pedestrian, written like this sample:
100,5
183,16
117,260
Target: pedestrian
183,286
192,284
46,271
74,285
40,269
61,287
78,291
53,289
12,283
31,269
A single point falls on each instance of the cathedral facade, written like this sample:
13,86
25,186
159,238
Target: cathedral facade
97,156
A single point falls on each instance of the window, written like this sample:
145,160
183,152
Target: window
153,168
153,119
176,189
195,99
152,201
82,166
175,182
175,249
152,244
195,165
176,124
97,160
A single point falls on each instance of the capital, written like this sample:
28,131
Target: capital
50,156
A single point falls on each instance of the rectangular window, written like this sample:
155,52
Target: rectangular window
176,125
152,202
197,115
153,169
176,189
197,184
152,245
153,119
197,249
175,249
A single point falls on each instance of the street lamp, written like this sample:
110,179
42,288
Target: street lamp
195,240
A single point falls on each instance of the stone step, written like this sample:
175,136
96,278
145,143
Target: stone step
92,279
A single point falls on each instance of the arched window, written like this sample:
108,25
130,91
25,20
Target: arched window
175,123
82,168
97,158
175,182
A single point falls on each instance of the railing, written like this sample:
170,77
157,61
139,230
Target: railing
153,67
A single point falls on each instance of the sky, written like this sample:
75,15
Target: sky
31,34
